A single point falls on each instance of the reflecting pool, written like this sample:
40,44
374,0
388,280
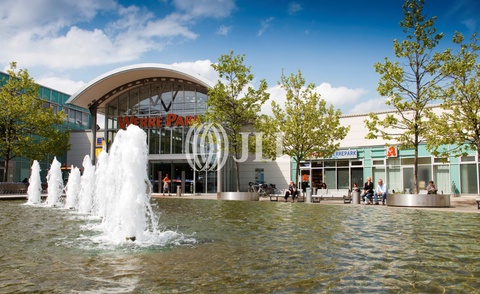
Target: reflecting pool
245,247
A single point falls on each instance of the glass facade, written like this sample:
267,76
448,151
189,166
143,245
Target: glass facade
164,108
77,119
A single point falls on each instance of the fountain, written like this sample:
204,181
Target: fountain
127,203
73,188
35,186
101,188
87,186
55,184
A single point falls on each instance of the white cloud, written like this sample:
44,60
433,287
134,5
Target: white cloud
265,24
471,24
339,96
294,7
336,96
205,8
49,32
376,104
224,30
62,84
202,67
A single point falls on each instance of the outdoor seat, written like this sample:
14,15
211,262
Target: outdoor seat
319,195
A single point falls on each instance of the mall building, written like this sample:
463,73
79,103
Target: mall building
163,100
78,120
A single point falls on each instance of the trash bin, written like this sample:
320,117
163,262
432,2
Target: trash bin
356,197
179,191
309,196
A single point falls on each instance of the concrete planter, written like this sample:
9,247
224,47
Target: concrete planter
241,196
419,200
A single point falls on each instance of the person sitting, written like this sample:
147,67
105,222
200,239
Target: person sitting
323,186
431,189
292,191
367,191
381,191
355,188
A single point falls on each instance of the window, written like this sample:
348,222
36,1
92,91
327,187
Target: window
165,141
408,161
342,163
393,161
394,180
259,176
356,163
330,178
343,178
468,178
177,141
378,162
441,175
154,144
468,159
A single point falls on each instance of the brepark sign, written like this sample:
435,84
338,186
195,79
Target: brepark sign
154,122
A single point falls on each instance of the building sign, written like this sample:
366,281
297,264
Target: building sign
170,120
99,146
344,154
392,151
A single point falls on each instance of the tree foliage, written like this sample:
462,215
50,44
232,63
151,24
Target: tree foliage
308,128
459,124
26,128
410,86
234,104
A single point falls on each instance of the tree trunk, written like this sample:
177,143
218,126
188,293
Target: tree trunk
5,176
237,175
415,170
298,171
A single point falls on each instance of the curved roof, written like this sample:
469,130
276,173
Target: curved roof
103,84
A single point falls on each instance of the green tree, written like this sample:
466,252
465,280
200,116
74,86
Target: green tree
307,127
26,128
459,124
411,86
232,105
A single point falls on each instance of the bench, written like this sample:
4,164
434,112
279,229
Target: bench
478,202
331,194
274,197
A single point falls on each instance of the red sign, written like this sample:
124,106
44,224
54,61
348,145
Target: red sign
171,120
392,151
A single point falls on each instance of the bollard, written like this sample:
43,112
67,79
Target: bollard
179,191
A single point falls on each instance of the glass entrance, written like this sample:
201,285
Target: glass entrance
357,176
174,169
317,178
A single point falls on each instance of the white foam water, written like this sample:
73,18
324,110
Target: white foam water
73,188
100,194
87,186
35,186
116,195
55,184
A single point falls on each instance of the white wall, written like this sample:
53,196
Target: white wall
80,141
275,172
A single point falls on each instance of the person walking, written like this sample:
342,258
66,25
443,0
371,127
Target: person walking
166,185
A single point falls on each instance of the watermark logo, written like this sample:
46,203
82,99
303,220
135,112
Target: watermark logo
207,147
203,147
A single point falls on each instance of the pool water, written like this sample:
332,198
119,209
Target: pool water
245,247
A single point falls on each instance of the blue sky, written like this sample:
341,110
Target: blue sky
65,44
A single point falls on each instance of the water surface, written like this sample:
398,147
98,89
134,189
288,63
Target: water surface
245,247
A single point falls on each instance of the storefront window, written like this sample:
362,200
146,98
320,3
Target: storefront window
165,141
112,115
189,98
201,100
342,163
378,173
442,178
144,105
177,142
154,144
123,104
330,178
179,100
468,174
394,180
133,102
424,176
343,178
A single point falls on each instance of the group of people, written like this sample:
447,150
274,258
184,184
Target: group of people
369,193
381,191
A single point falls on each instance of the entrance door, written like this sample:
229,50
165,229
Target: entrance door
160,169
408,179
317,177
